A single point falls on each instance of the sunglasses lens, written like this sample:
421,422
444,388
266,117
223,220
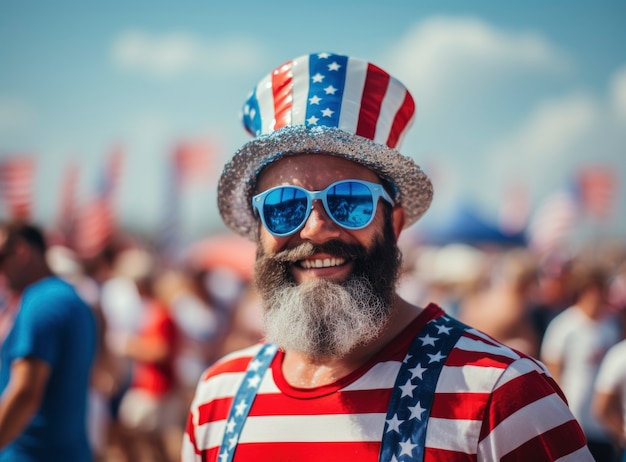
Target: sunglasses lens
284,209
350,204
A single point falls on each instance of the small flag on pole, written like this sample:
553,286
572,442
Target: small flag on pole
17,175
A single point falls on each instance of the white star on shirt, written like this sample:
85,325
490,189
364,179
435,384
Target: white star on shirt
394,424
317,78
232,442
252,113
407,358
224,455
444,329
271,350
253,382
327,112
436,357
407,388
254,365
428,340
312,120
246,109
240,408
416,411
418,371
314,99
330,90
334,66
323,55
407,448
394,459
230,425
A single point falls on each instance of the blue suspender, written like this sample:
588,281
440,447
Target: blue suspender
411,399
413,393
242,402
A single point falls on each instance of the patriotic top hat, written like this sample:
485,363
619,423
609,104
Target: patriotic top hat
331,104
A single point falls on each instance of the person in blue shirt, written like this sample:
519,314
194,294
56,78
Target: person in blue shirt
46,357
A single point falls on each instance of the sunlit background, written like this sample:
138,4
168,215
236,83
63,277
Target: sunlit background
519,105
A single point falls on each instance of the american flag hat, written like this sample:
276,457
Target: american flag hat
325,103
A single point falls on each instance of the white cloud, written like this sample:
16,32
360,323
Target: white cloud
618,93
441,53
549,133
180,53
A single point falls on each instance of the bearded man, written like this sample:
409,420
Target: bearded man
349,370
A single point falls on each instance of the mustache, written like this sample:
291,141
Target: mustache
307,249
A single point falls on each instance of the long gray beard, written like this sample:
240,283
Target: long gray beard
323,318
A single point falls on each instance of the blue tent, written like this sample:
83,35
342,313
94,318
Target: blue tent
465,225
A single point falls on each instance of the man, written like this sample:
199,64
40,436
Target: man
46,357
575,343
350,370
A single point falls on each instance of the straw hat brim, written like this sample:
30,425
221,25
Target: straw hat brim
237,184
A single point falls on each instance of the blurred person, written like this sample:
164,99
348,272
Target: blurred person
575,343
66,264
349,370
552,294
609,402
46,357
148,407
502,309
452,273
8,308
200,333
609,399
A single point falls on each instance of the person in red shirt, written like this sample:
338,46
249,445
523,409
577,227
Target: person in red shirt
150,407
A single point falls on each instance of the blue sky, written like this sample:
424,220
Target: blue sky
507,92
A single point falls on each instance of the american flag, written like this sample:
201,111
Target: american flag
68,207
17,174
553,222
96,221
191,161
596,188
331,90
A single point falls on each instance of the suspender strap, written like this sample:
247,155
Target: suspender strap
411,399
242,402
413,393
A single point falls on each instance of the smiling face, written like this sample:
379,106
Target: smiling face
315,172
326,289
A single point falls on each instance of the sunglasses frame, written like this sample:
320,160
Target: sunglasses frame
376,190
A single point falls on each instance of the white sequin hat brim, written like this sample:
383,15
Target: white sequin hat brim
237,184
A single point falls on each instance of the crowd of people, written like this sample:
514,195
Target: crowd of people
349,344
160,327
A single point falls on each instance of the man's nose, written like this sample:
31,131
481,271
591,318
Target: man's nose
319,227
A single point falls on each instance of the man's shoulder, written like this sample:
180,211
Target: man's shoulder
56,301
51,289
233,362
484,361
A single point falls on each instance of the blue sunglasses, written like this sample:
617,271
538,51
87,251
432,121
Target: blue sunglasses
349,203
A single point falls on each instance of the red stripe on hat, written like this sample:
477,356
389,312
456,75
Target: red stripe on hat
376,82
400,121
282,84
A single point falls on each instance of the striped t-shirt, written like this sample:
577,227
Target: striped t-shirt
490,403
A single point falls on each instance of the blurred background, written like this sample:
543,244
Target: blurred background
121,115
116,119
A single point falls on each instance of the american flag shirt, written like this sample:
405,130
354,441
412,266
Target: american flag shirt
486,402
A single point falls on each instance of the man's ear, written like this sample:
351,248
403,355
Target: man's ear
397,217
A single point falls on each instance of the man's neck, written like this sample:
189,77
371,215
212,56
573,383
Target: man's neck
303,371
